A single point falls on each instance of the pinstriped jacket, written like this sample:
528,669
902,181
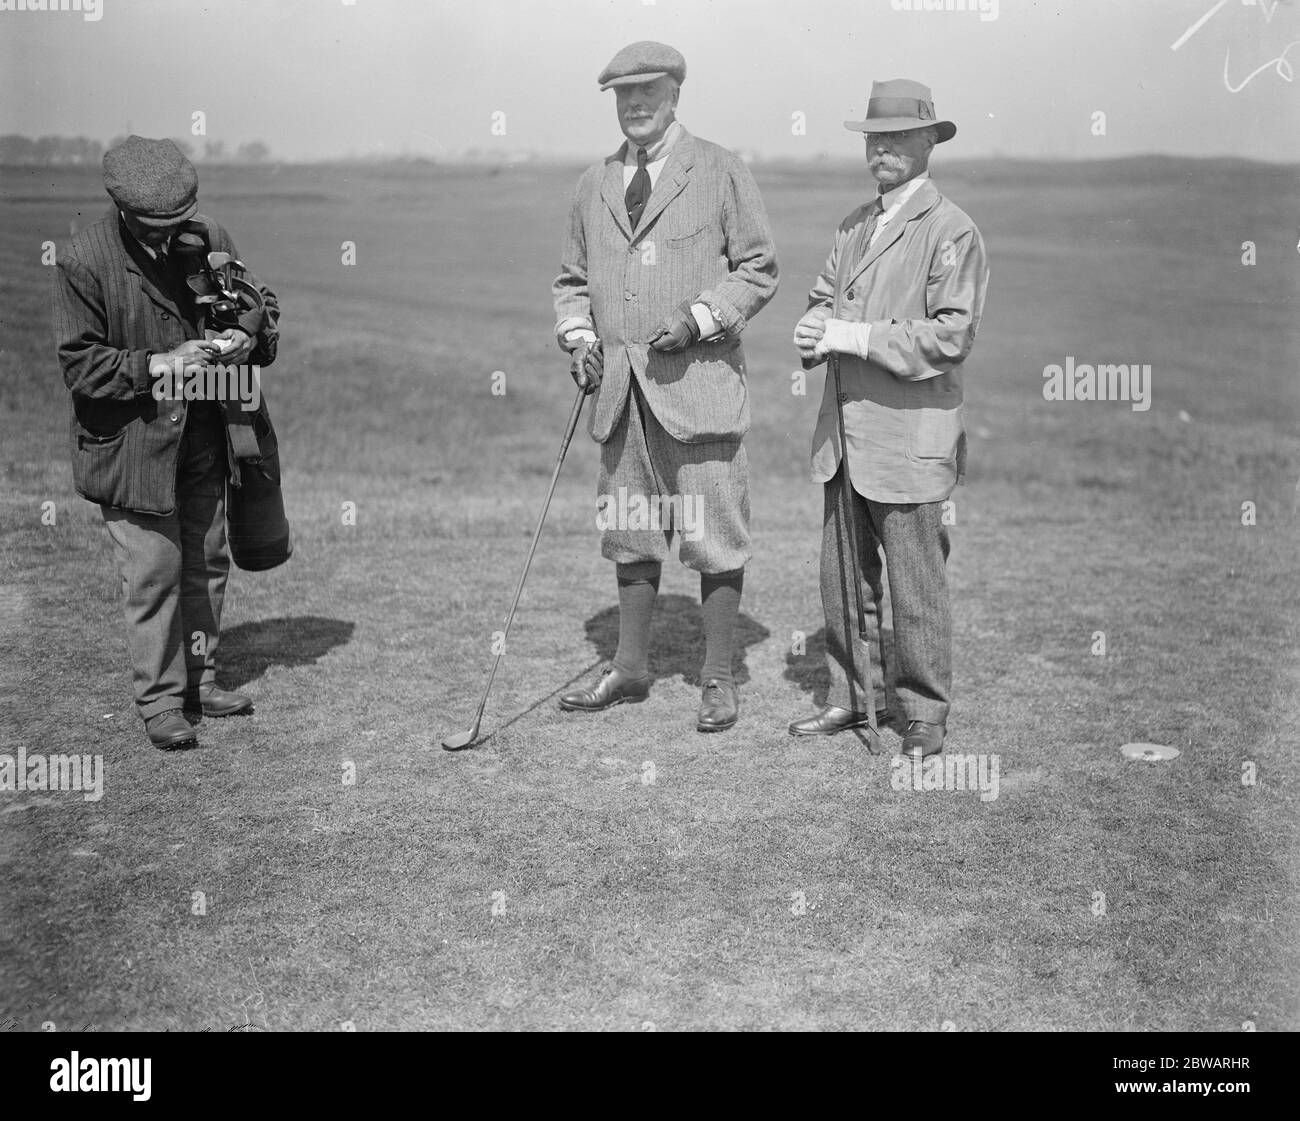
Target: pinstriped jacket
703,236
110,314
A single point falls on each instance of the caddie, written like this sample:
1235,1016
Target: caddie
126,322
667,259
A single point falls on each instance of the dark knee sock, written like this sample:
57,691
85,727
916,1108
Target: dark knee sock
720,600
638,584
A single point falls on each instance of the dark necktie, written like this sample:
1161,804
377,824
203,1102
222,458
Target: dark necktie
166,262
877,212
638,191
869,228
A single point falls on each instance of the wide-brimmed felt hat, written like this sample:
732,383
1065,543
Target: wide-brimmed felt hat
151,180
900,104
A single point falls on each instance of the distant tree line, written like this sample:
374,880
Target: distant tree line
46,151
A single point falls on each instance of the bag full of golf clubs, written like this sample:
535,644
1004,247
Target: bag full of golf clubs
257,529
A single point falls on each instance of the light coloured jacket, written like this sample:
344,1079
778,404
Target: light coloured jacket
921,287
704,237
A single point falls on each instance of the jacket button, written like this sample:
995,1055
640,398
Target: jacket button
849,295
165,315
628,296
844,399
176,418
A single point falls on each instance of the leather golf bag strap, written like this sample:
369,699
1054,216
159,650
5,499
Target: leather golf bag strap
239,422
239,427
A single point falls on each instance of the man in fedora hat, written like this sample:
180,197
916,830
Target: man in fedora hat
668,257
126,321
897,304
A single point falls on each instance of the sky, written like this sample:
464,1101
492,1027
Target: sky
331,78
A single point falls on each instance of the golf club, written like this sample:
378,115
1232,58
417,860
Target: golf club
850,516
219,269
466,739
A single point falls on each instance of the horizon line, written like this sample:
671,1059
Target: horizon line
514,158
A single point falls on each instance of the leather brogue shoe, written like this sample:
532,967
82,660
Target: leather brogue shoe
614,688
922,739
718,706
220,702
169,730
830,720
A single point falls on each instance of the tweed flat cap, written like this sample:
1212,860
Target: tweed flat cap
643,61
153,180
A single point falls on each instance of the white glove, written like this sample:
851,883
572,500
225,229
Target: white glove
843,337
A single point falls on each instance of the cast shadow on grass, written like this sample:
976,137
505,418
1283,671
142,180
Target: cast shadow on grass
676,639
250,649
808,670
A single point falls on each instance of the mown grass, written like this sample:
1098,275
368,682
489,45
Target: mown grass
759,881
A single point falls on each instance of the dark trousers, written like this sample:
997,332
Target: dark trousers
914,543
174,569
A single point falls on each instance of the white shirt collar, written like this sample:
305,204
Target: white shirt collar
657,151
891,200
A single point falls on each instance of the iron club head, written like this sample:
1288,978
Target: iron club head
219,269
461,741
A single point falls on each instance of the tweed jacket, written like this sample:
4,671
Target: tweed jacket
110,314
704,236
921,287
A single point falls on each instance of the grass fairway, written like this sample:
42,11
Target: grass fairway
619,871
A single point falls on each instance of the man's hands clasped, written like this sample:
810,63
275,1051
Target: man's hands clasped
237,346
809,331
232,347
193,355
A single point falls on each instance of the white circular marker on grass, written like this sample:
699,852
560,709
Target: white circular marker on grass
1149,752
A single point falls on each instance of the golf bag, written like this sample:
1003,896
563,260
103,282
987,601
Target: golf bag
257,529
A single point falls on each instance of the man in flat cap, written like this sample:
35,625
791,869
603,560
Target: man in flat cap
156,463
897,306
668,257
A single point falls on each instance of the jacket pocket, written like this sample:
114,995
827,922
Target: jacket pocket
688,240
98,468
932,433
90,441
